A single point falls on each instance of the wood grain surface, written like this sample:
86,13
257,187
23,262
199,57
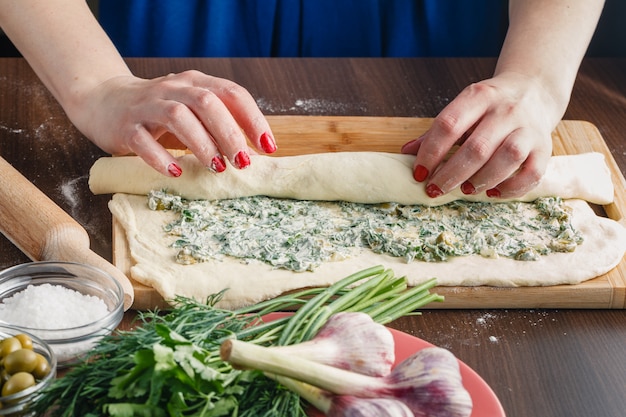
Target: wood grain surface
317,134
540,362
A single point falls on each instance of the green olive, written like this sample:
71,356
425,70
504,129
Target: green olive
22,360
8,345
42,368
18,382
25,340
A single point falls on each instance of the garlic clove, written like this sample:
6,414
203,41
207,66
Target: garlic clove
349,406
431,385
351,341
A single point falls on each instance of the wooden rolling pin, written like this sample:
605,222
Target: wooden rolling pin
43,231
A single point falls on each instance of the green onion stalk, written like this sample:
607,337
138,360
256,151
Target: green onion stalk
169,364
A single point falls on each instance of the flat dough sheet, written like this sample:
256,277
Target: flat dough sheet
249,282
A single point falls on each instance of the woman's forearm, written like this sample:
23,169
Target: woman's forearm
64,44
547,40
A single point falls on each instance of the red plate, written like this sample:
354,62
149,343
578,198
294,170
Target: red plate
486,404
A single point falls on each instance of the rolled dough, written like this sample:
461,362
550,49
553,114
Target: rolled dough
360,177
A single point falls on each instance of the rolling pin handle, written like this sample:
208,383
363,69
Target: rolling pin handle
43,231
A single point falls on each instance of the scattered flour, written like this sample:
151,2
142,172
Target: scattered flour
314,105
69,190
12,130
483,320
311,106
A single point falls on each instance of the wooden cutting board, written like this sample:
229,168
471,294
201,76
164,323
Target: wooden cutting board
315,134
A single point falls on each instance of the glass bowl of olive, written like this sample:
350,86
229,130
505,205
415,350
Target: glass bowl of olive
27,366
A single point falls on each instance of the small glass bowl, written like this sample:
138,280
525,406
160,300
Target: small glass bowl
68,344
18,404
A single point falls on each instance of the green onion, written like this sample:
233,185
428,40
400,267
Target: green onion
333,405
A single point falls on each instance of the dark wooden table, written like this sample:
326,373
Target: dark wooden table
540,363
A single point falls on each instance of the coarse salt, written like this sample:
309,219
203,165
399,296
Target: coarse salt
48,306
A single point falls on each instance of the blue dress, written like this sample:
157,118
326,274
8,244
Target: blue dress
305,28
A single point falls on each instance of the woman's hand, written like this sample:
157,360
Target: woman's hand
503,126
121,113
213,117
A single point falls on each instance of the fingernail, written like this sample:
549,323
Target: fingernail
242,160
420,173
218,164
174,170
433,191
408,144
467,188
493,192
267,143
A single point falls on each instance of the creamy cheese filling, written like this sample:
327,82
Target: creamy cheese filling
301,235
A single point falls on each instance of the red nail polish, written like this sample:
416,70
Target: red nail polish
174,170
218,164
242,159
420,173
467,188
493,192
433,191
267,143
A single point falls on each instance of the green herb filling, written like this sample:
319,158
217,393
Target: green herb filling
301,235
